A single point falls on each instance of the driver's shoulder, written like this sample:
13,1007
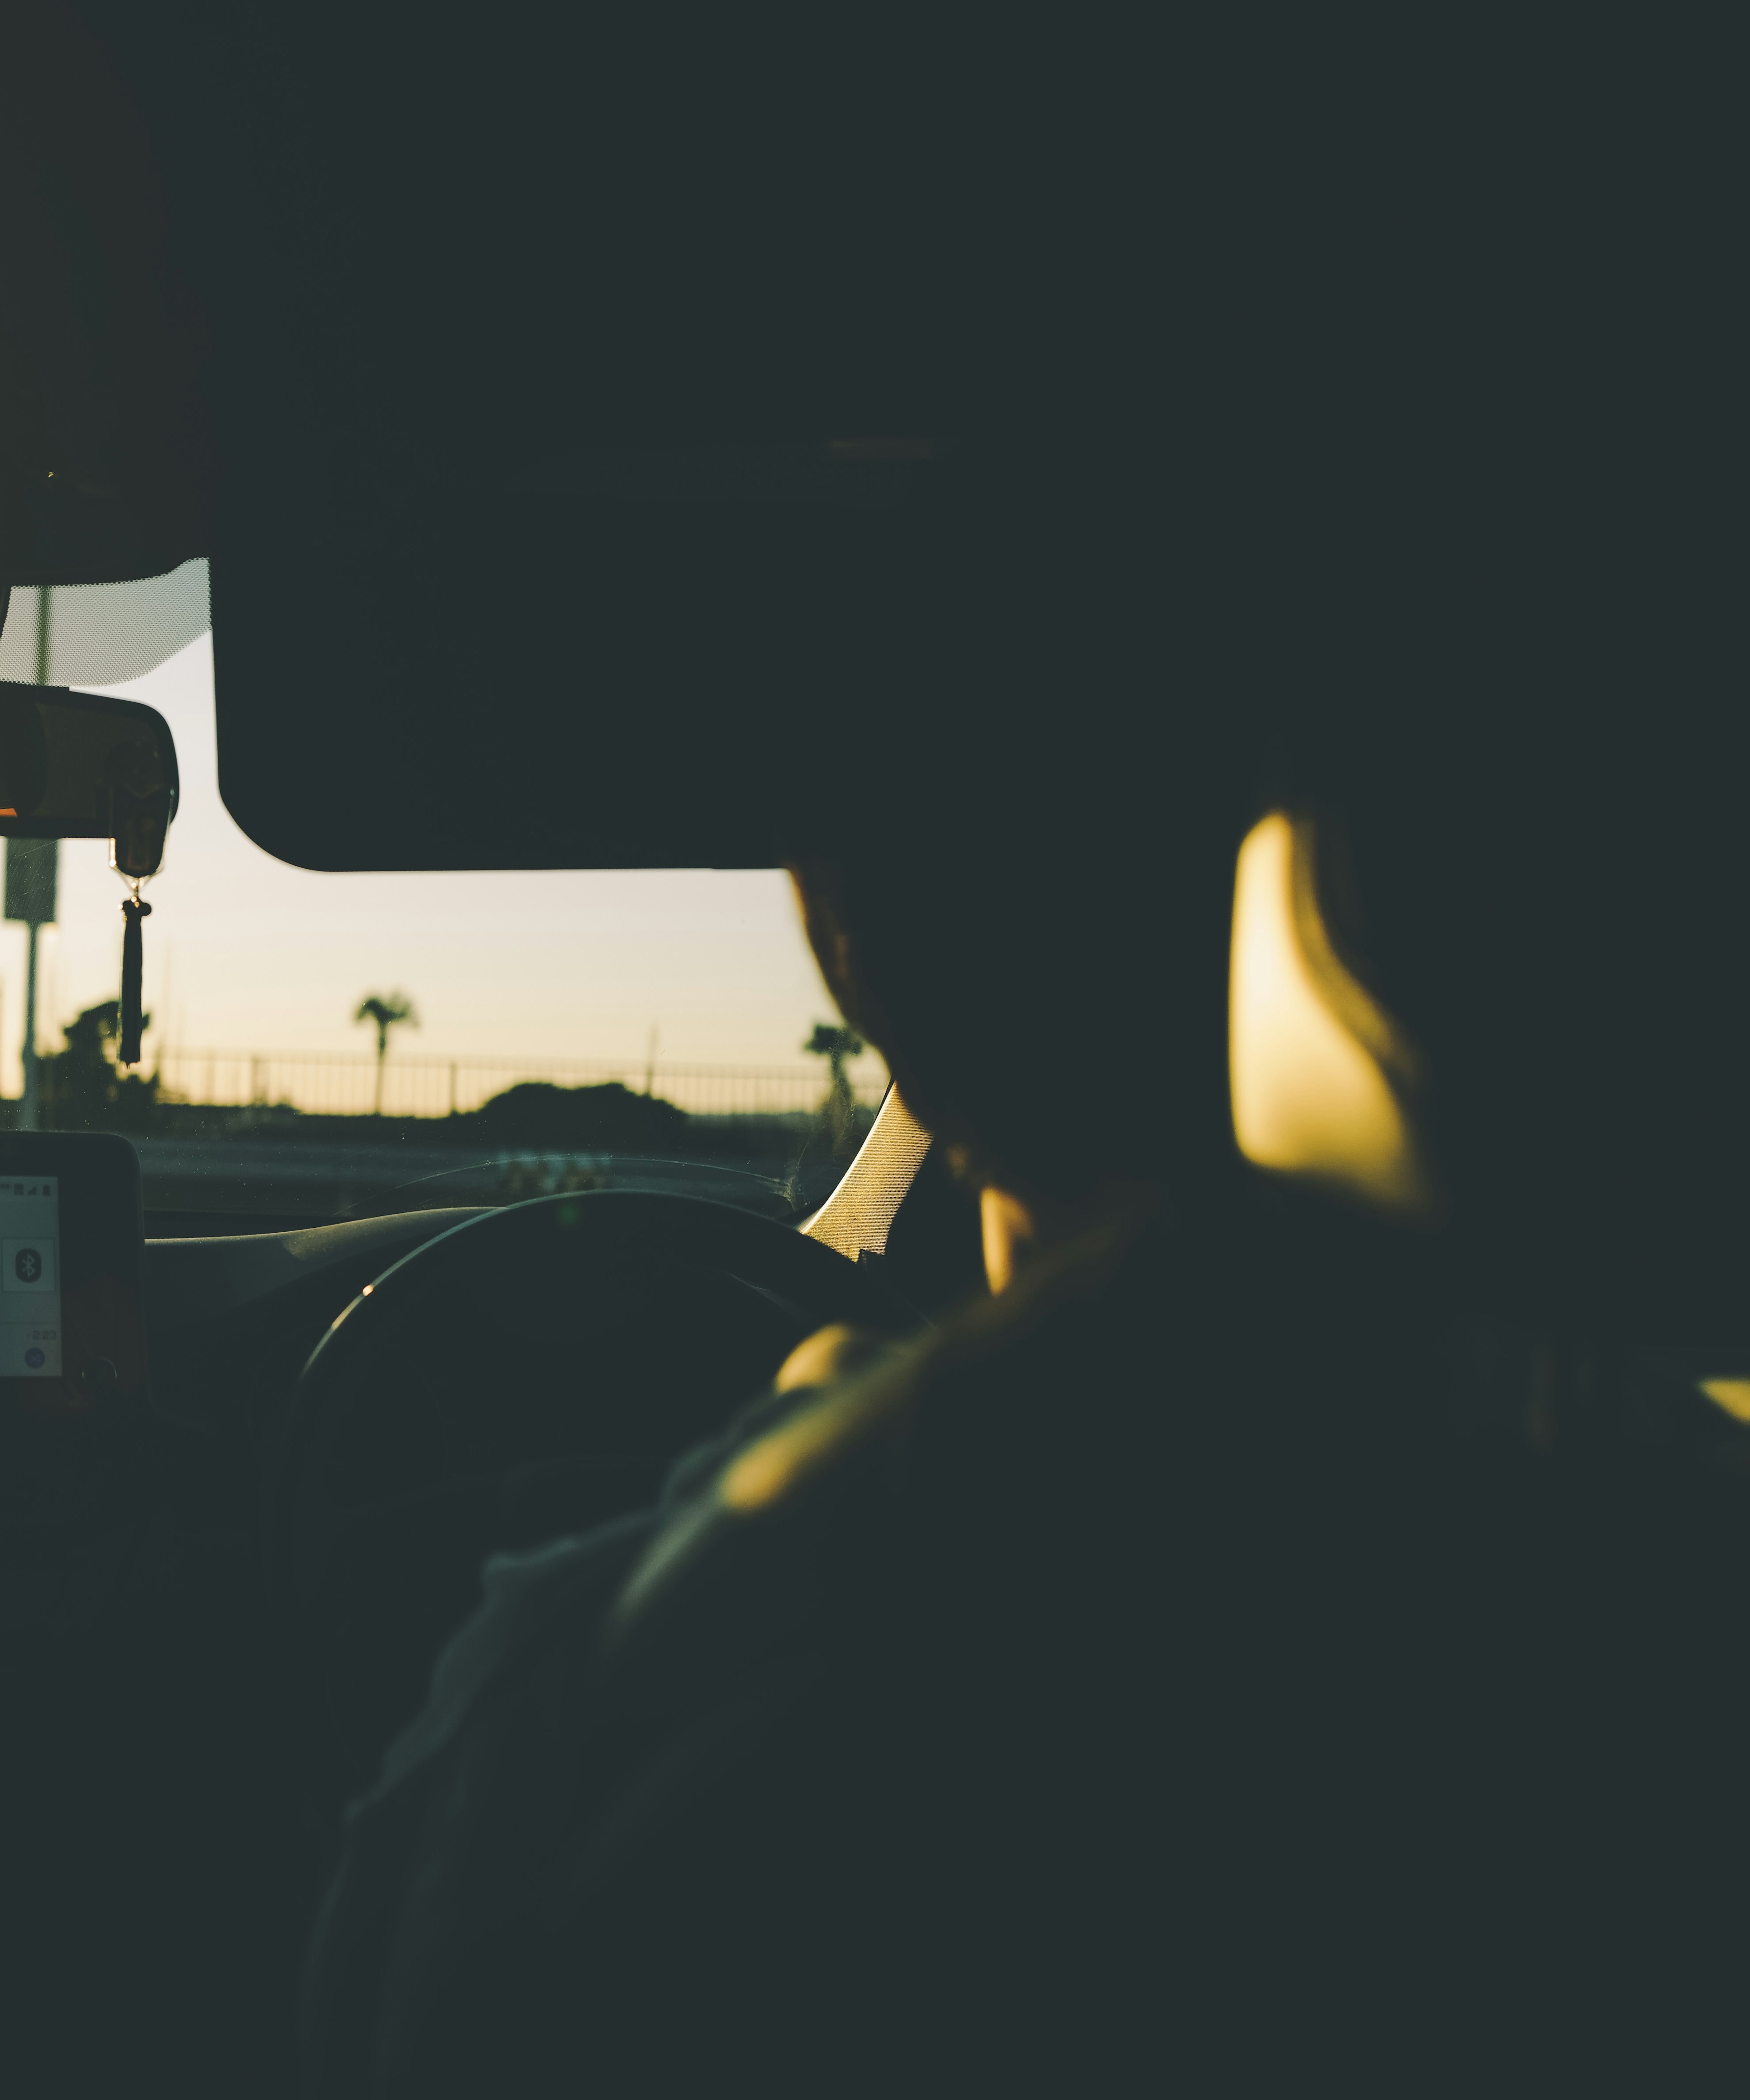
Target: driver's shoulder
617,1696
888,1442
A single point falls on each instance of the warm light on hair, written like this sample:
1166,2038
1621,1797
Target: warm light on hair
1732,1394
1306,1043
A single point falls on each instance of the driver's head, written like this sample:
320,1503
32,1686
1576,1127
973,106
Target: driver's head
1549,893
1026,909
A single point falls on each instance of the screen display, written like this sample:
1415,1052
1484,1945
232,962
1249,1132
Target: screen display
30,1278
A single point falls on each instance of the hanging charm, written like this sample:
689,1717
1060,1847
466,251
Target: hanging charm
133,909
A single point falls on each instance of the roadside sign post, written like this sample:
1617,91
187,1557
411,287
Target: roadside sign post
32,865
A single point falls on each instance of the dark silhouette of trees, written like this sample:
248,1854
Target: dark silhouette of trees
83,1088
386,1010
607,1119
837,1111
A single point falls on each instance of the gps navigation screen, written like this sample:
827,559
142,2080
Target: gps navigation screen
30,1300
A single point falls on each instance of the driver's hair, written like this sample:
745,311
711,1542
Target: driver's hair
1548,894
1026,909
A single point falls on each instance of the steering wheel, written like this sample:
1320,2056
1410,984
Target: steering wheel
530,1372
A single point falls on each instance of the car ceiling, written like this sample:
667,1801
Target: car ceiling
498,367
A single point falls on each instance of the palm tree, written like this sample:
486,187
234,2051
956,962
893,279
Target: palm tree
836,1045
386,1010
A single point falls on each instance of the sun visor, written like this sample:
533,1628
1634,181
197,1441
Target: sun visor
648,658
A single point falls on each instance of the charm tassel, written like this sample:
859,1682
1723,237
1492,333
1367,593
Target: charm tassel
133,909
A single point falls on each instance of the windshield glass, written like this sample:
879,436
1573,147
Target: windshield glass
329,1045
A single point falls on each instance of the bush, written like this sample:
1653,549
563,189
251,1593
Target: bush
83,1088
607,1118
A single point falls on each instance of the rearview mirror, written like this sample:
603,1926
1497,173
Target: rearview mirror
76,765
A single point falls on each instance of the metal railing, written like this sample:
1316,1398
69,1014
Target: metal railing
340,1083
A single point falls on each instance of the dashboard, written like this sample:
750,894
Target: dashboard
530,1394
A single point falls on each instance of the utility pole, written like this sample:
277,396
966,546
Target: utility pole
31,868
649,1064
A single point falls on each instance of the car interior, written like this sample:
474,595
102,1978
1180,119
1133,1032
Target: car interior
543,415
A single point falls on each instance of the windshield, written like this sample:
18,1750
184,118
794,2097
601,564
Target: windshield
330,1046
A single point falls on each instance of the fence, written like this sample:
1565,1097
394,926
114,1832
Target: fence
338,1084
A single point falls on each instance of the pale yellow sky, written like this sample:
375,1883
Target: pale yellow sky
245,953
